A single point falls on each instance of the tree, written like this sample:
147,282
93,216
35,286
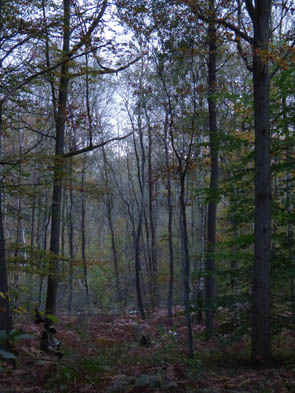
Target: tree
61,115
5,320
59,161
182,132
16,31
261,335
260,17
210,297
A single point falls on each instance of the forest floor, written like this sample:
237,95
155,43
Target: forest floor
121,354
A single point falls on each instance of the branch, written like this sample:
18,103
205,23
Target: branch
106,70
24,40
13,91
70,57
8,53
92,27
222,22
251,9
94,147
235,29
243,55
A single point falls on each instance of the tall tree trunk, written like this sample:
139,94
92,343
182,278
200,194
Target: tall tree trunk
45,225
71,237
186,266
290,234
141,176
5,320
152,225
212,206
261,336
83,232
58,165
33,213
109,206
114,250
18,246
148,259
170,232
202,241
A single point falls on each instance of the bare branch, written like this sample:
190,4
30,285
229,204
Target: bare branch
243,55
235,29
250,9
94,147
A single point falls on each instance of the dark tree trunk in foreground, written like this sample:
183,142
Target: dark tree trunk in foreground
212,206
261,336
5,321
58,166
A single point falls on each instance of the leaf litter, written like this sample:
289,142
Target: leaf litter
102,354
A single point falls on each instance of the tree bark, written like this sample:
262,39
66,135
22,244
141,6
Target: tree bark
212,206
58,166
71,237
109,206
186,266
141,175
83,233
170,232
5,320
261,335
153,246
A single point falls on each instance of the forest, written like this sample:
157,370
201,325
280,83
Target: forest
147,197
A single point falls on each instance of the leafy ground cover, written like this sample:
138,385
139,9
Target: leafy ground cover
122,354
